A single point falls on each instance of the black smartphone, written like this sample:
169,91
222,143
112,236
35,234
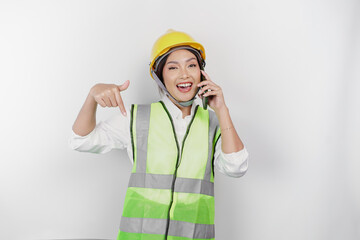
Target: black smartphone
204,99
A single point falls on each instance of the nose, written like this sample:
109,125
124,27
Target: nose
184,73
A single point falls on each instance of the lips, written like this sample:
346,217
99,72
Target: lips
184,87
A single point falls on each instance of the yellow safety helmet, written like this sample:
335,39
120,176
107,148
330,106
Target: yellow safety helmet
169,40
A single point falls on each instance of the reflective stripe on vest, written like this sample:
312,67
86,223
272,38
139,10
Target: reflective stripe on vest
171,192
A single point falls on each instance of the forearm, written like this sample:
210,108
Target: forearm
230,140
86,119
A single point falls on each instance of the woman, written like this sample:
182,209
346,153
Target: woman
174,144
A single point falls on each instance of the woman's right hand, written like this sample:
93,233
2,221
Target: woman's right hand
108,95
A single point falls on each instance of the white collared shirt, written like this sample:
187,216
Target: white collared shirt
114,133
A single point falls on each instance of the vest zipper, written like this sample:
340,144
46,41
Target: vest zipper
186,133
178,159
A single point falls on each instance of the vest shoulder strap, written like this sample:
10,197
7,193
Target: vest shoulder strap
139,126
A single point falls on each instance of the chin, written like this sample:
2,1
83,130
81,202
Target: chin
187,97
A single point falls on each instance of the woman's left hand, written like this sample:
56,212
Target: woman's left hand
215,94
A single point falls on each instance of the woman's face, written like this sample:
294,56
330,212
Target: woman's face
181,74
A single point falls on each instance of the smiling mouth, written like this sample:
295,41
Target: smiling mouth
184,87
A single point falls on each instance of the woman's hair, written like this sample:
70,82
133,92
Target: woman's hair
161,65
160,68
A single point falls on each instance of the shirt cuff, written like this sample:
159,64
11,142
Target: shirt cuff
234,164
75,140
235,155
74,135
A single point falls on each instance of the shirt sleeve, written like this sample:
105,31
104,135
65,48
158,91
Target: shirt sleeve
231,164
113,133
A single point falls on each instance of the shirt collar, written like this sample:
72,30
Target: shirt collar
174,111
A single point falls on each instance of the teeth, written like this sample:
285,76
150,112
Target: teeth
184,85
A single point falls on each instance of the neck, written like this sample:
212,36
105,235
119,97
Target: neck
185,110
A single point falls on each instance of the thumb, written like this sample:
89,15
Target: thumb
124,86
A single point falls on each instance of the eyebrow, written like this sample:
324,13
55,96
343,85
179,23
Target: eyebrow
178,62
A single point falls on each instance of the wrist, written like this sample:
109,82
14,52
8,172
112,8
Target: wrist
222,112
90,99
91,92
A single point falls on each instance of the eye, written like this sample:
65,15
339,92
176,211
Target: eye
193,65
171,68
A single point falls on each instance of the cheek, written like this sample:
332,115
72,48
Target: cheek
169,76
165,77
197,75
168,79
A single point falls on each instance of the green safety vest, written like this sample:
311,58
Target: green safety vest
170,195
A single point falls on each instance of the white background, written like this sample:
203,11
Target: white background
290,75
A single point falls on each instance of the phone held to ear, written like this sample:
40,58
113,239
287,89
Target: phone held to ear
204,99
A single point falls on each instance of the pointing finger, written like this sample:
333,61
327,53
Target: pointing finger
120,103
